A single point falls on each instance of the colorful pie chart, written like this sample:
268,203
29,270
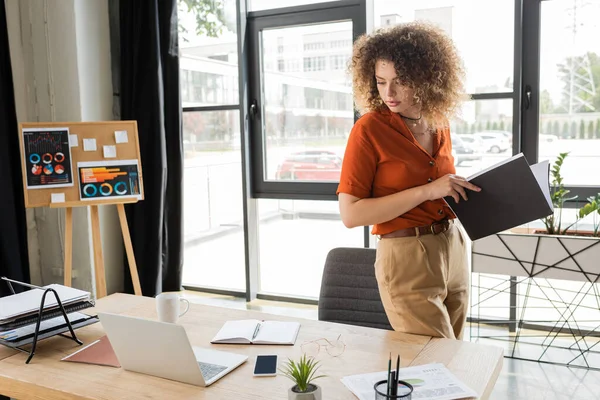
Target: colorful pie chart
120,188
48,169
106,189
35,158
59,157
90,190
59,169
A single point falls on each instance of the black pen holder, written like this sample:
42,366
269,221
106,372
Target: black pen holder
404,391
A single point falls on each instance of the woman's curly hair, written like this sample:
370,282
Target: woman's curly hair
425,60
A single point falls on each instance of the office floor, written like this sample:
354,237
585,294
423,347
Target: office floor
519,380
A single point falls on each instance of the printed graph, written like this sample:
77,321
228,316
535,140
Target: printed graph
47,157
106,179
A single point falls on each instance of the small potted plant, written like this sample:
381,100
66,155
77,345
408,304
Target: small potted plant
302,373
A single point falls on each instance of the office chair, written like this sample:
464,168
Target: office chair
349,293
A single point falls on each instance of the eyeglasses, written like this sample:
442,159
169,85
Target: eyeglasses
334,348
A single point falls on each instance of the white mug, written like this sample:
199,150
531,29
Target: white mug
168,307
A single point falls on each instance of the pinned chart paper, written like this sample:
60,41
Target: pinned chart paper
58,197
47,155
73,141
110,152
89,144
111,178
121,137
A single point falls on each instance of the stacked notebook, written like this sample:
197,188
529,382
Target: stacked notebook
19,313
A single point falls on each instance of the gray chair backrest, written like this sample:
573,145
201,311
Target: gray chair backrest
349,292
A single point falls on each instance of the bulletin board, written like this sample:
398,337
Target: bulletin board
71,164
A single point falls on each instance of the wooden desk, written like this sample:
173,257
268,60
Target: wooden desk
367,350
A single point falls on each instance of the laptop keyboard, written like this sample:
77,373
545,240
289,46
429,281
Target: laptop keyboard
209,371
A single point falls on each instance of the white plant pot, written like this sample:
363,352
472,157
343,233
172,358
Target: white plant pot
573,258
314,395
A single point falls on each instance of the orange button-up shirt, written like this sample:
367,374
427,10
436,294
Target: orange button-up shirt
382,157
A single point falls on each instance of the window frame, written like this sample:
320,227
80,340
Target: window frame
337,11
525,96
530,93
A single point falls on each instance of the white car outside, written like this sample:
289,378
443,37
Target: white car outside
493,142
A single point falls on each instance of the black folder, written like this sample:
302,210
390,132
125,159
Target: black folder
512,193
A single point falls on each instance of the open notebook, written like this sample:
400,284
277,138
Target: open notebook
253,331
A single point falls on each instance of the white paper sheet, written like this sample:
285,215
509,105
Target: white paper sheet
73,141
430,382
121,137
29,301
57,197
540,172
89,144
110,151
483,171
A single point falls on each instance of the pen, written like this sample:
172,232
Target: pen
256,331
389,375
397,375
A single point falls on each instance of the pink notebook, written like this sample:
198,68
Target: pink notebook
99,352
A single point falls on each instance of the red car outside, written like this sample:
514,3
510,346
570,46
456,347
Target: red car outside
311,165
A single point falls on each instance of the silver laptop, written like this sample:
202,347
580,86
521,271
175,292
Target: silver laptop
162,349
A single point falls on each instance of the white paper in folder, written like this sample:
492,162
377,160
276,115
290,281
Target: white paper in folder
430,382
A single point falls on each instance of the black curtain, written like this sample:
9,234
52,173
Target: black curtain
149,94
14,262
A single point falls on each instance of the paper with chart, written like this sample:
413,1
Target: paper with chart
430,382
47,157
109,179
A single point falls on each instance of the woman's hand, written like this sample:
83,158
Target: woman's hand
450,185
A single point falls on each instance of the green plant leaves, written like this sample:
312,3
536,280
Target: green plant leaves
301,372
559,196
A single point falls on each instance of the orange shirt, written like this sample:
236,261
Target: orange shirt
382,157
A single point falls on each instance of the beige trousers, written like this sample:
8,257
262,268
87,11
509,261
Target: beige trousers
424,283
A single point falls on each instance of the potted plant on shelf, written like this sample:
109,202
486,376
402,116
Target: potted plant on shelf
557,251
302,373
555,265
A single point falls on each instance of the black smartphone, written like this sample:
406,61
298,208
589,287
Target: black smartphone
266,365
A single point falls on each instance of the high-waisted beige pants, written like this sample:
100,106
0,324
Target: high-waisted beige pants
424,283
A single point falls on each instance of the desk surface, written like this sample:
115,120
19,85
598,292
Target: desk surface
367,350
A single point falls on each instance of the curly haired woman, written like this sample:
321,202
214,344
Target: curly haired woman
398,167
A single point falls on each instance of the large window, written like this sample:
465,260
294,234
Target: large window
482,135
213,195
483,31
258,5
295,237
304,115
569,114
263,158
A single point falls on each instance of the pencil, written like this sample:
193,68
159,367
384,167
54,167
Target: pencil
388,392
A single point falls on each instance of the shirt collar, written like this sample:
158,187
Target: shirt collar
399,125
